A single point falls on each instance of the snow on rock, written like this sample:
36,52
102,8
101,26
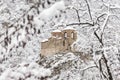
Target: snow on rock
38,22
5,74
64,66
67,57
11,30
16,75
25,71
41,72
54,10
81,44
72,66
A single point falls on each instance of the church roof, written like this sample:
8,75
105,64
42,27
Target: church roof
69,28
44,40
57,30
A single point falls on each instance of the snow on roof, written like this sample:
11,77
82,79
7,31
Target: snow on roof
57,30
69,28
44,40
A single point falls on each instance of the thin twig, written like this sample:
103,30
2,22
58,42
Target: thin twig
89,9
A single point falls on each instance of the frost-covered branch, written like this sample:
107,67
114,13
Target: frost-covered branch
77,11
100,39
89,67
71,24
89,9
101,70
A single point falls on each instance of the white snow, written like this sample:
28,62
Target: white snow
57,30
18,62
10,31
33,69
44,40
69,56
49,13
5,75
22,36
69,28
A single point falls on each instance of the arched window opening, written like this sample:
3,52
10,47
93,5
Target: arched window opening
72,35
56,36
65,35
64,43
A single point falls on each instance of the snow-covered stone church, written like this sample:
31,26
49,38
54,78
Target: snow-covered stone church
60,41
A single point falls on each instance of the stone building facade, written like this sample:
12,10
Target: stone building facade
60,41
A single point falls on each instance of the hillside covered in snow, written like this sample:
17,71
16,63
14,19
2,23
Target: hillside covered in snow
24,24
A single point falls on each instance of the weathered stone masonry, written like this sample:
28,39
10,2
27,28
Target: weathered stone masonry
60,41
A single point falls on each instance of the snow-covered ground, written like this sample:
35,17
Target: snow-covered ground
26,23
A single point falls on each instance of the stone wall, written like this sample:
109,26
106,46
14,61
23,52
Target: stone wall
51,47
59,42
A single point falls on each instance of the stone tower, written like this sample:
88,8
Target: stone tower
60,41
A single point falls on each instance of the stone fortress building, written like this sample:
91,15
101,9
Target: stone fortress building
60,41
